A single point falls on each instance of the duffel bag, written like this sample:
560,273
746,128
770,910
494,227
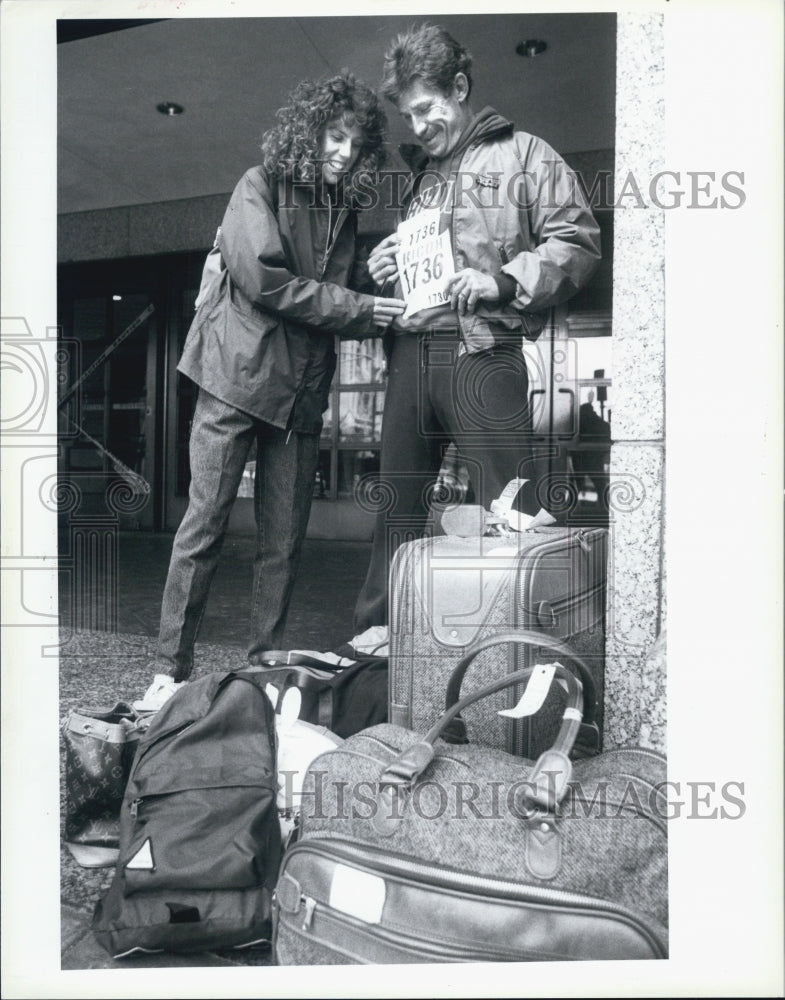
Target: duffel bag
415,850
342,694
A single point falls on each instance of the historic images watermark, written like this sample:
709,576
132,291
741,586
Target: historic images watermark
523,189
432,799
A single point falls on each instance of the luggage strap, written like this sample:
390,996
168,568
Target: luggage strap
555,763
539,641
549,779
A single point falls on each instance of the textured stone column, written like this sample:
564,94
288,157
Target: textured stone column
635,668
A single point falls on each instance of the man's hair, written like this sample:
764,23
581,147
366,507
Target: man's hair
428,53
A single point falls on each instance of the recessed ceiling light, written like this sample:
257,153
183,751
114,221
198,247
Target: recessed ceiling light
170,108
530,48
117,298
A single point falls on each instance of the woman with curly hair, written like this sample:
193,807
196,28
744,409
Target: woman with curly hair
281,281
293,145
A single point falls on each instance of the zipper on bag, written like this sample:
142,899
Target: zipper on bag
480,885
236,862
338,920
309,905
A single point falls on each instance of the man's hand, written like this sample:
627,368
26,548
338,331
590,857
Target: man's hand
407,324
385,310
467,287
381,260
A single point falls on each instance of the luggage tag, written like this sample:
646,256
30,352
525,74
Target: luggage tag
536,692
502,506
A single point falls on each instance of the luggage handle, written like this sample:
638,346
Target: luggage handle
549,779
527,638
276,659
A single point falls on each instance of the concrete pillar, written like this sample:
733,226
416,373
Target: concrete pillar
635,668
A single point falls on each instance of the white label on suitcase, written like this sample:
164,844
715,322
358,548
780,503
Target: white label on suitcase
359,894
535,693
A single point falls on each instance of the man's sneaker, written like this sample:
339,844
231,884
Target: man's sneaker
159,692
373,641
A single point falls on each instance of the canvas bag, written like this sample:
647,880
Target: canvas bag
199,835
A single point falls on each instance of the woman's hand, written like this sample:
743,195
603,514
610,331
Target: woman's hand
381,260
385,310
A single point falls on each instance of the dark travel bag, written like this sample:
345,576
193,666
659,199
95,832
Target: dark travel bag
200,840
413,850
449,592
344,697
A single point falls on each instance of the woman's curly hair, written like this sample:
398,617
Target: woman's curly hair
291,147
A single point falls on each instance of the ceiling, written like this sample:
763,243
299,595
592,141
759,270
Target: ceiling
230,75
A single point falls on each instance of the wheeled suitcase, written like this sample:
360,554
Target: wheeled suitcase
414,850
448,592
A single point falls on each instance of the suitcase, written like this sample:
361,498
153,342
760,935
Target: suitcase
413,850
448,592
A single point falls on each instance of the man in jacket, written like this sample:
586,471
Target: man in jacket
522,240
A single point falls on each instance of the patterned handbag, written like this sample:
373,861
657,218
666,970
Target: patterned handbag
100,745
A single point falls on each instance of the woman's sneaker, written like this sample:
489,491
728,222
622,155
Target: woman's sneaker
159,692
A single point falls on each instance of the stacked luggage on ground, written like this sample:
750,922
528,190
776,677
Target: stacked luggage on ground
482,822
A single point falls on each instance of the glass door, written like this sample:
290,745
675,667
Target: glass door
108,432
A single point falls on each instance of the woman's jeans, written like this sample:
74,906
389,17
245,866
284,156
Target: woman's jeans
221,438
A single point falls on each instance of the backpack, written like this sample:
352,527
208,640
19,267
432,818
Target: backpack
200,842
342,694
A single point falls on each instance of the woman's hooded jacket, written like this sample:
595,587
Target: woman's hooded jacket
273,296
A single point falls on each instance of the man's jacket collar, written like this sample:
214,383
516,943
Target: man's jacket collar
485,125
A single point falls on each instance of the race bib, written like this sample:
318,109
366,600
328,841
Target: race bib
424,261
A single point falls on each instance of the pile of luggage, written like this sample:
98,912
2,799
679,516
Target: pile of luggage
482,822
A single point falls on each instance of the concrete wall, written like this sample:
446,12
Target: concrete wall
163,227
139,230
635,668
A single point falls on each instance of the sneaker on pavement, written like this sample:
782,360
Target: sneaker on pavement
373,641
159,692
